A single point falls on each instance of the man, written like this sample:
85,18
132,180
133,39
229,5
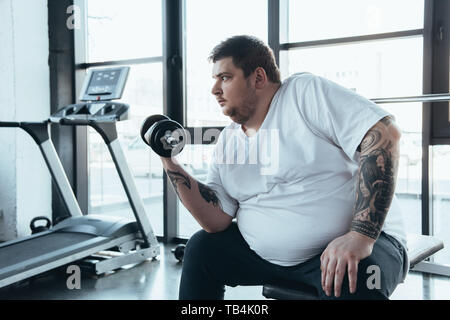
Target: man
321,217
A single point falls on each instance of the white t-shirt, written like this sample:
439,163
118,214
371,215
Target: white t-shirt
291,186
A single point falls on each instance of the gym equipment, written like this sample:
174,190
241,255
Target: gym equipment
178,252
35,228
83,236
420,247
166,137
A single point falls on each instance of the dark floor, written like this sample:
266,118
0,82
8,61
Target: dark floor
159,279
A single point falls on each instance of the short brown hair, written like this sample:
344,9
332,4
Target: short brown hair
248,53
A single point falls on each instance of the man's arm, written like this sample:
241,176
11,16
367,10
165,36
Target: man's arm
200,200
377,176
375,189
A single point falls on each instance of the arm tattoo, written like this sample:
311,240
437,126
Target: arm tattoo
206,192
176,177
209,195
376,181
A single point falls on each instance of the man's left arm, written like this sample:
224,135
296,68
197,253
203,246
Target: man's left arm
379,154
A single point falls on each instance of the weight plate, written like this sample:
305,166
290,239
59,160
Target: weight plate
157,133
148,123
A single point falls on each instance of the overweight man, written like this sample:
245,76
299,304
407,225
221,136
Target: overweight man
300,189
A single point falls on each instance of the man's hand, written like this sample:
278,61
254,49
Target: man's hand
341,254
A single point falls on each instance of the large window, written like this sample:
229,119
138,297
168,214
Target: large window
207,24
132,31
119,30
441,199
327,19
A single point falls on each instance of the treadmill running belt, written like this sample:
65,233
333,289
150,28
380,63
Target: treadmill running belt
39,246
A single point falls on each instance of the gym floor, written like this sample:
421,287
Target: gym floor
159,279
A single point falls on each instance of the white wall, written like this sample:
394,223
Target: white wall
25,188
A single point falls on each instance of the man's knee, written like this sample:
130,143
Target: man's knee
373,283
369,286
202,246
195,246
383,270
200,261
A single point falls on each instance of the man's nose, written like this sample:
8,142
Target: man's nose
216,90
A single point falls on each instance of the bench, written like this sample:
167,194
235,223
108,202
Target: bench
420,247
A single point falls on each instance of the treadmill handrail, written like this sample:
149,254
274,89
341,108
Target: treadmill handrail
59,176
40,133
129,185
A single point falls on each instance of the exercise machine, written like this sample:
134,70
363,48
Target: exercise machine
105,243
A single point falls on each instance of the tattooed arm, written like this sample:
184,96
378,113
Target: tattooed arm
200,200
377,175
376,183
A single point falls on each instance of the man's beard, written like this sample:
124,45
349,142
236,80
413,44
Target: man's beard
245,111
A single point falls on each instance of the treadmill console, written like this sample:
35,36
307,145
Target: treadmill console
104,84
99,88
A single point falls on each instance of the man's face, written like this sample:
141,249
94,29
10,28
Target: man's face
233,91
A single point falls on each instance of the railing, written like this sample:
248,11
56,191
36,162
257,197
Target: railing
439,97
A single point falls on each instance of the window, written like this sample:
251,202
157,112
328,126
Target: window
374,69
130,31
441,199
118,30
207,24
327,19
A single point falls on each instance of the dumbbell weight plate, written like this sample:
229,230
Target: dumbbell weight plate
148,123
157,133
178,252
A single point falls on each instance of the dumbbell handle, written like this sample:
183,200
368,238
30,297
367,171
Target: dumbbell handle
171,140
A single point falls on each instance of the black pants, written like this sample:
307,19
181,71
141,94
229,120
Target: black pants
213,260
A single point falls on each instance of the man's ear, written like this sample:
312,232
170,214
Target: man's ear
260,78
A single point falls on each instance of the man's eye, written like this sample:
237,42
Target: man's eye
225,78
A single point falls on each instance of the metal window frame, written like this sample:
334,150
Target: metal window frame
174,100
273,8
354,39
81,133
62,92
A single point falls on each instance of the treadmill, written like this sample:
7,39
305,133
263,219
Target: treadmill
100,243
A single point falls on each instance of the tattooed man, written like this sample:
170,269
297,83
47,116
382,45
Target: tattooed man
325,215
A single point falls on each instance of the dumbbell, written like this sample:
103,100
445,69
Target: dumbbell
178,252
165,136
